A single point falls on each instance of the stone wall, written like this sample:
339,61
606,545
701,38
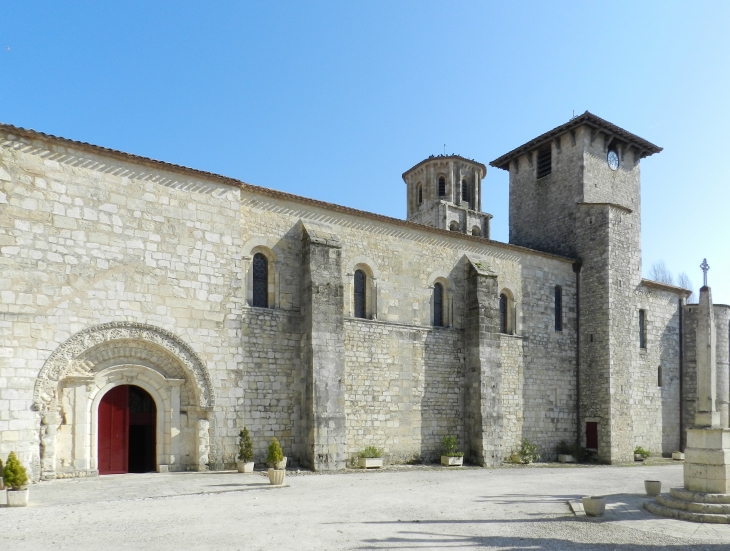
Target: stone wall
87,239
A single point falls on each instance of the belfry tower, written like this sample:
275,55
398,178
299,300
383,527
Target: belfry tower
575,191
445,192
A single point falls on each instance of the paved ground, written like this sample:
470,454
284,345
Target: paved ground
403,508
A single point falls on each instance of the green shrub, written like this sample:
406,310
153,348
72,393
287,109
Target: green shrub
371,452
14,474
275,454
528,452
245,446
449,447
641,451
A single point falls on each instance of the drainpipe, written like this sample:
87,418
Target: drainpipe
576,268
681,377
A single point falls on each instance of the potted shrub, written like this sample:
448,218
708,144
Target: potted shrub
565,452
450,455
277,459
245,452
527,452
370,458
16,480
640,454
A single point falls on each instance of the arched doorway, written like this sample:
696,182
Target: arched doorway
127,422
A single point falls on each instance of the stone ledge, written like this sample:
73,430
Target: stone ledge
698,497
693,507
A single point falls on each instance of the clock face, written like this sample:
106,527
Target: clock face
612,160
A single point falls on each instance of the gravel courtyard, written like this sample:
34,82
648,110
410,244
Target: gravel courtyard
400,508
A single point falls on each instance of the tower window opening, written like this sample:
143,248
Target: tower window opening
659,376
442,186
504,315
544,162
464,190
558,308
642,329
420,194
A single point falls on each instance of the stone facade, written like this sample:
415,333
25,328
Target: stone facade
116,269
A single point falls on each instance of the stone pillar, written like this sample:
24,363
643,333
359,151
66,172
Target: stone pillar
323,345
707,414
49,426
722,351
202,444
80,387
483,402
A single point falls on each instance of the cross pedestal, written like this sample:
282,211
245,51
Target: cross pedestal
707,461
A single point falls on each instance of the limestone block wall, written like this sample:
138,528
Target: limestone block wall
655,405
87,239
269,382
403,388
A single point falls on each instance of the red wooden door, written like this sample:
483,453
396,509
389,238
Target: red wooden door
114,431
592,435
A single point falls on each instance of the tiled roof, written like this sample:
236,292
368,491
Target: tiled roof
588,119
447,158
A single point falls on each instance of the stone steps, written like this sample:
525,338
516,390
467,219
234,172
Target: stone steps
654,507
698,497
692,506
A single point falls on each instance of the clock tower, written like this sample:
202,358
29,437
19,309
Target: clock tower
575,191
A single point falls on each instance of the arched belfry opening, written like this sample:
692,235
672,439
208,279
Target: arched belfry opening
123,397
127,431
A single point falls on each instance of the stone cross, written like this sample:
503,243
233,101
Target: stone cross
705,268
707,414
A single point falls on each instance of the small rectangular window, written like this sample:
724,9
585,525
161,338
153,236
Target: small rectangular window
544,162
558,308
642,329
592,435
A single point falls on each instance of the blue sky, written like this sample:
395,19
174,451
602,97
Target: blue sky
334,100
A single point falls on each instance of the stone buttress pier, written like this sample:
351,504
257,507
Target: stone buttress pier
322,349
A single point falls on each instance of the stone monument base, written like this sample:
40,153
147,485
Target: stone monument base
706,493
707,461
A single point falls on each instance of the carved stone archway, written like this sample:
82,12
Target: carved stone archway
85,367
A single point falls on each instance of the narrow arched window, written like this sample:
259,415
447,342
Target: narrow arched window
420,194
659,376
438,305
503,314
442,186
558,308
454,226
260,281
476,231
464,190
360,280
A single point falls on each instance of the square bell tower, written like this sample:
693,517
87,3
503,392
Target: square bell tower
575,191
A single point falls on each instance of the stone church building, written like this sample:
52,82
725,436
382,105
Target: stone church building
150,311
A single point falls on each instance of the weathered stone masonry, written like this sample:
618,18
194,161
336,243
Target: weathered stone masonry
116,269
